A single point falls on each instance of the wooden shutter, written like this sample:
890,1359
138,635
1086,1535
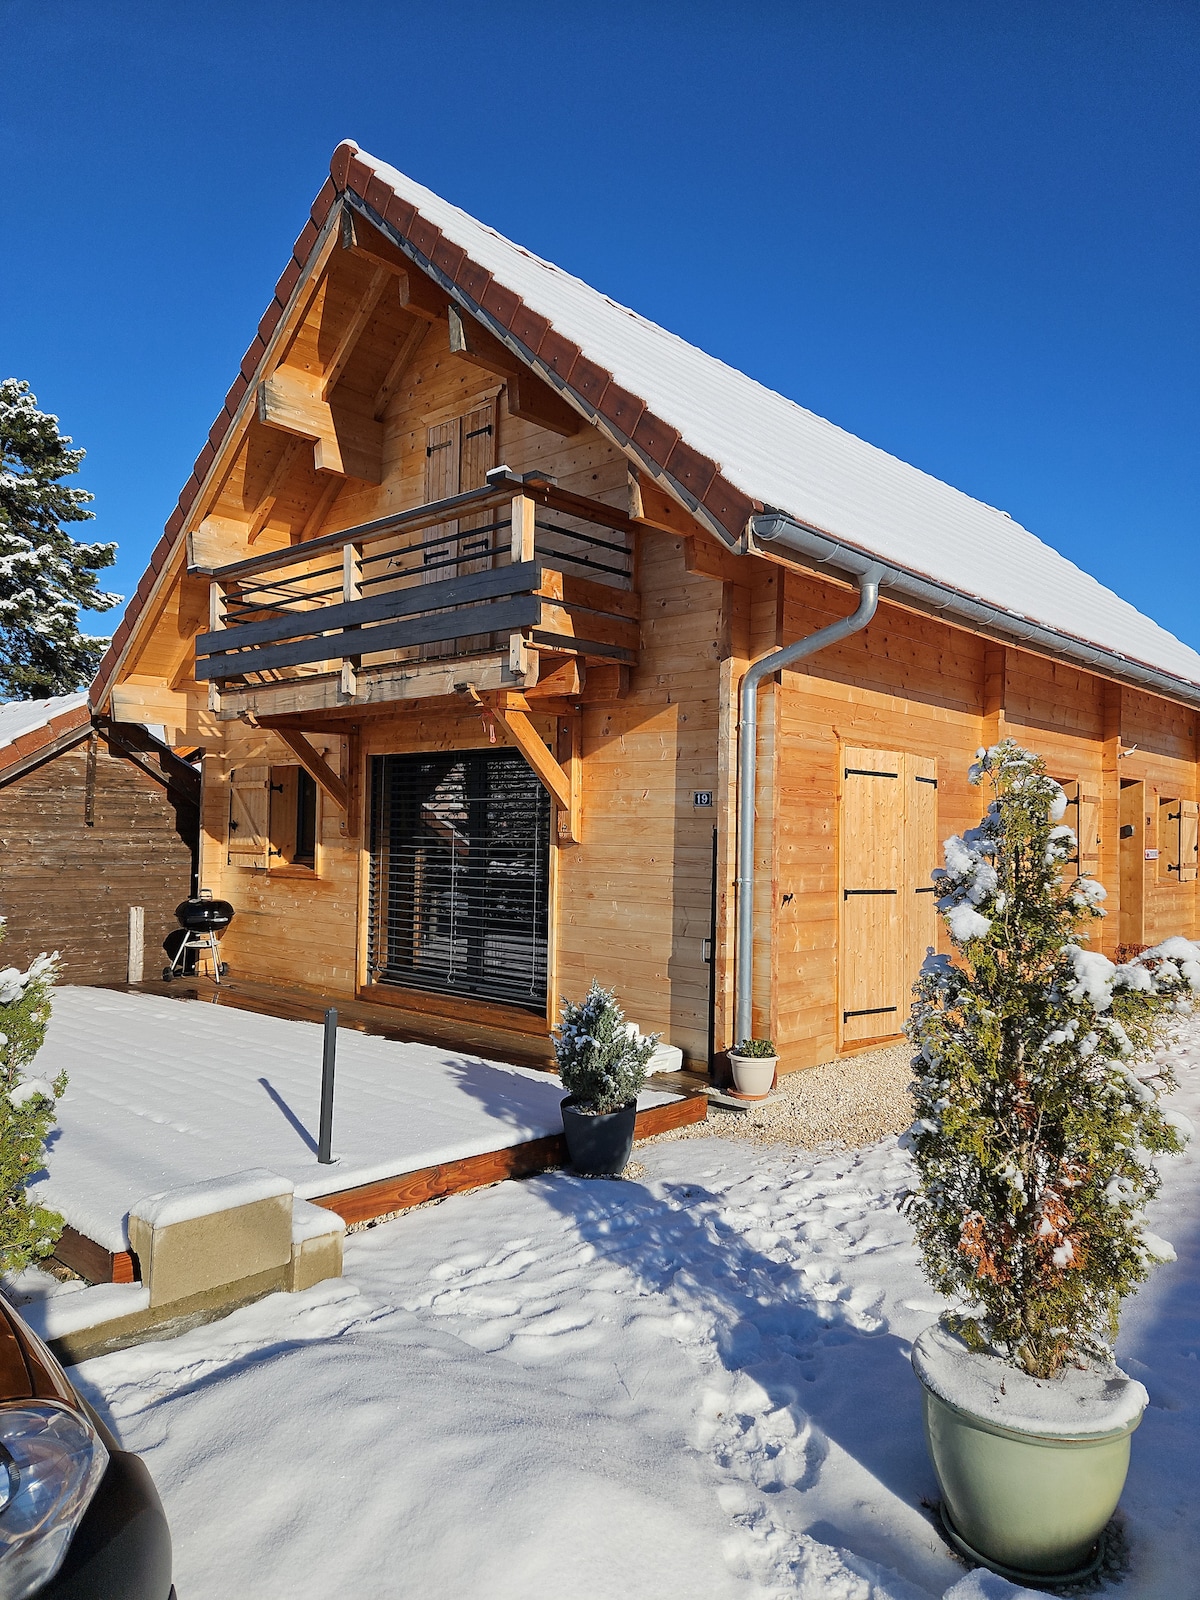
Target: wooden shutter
1189,840
249,816
1169,840
872,851
282,824
1088,832
441,482
922,853
1070,787
476,460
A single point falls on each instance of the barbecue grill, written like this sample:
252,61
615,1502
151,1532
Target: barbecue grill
202,919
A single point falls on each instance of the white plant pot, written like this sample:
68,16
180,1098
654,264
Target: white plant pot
753,1076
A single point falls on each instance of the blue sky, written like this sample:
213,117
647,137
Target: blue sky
967,231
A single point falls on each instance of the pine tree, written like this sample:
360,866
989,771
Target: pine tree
28,1231
46,577
1038,1115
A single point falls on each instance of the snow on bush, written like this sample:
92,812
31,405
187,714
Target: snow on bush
1037,1115
28,1231
602,1059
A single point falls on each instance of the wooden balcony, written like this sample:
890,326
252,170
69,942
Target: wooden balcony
492,588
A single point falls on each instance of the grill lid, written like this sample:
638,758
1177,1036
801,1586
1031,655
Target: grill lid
202,912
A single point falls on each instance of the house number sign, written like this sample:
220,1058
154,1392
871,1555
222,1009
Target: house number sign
702,797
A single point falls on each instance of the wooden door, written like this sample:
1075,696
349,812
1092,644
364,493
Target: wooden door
872,859
1132,855
889,848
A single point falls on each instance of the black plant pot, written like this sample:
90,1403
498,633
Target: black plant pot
599,1146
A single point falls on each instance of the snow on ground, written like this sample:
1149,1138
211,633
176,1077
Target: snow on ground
693,1384
165,1093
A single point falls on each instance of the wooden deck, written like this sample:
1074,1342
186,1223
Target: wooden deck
368,1201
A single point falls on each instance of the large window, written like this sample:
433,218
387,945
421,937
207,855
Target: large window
460,875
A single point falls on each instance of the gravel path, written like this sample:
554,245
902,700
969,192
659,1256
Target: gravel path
849,1103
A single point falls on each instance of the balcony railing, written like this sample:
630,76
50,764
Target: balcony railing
514,567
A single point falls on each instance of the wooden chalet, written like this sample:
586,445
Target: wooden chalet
98,840
459,602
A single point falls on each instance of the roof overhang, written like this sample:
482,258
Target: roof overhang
820,553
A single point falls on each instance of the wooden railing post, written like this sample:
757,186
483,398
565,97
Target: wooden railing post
217,599
351,590
524,530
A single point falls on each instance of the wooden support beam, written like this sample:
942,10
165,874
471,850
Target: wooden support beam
404,358
344,443
570,759
315,764
511,711
215,543
363,313
655,507
529,397
270,495
418,294
321,510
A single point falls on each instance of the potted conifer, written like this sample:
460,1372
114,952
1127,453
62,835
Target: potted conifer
602,1061
753,1064
1038,1121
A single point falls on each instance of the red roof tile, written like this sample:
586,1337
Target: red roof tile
530,327
339,166
501,302
558,353
621,408
690,469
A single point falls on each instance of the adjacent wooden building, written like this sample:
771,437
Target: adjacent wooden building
458,603
99,829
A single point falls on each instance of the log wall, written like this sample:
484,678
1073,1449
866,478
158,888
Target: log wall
68,885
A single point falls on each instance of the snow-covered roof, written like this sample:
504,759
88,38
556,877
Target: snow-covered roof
778,453
21,717
729,444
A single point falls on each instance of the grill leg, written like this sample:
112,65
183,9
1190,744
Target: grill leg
214,957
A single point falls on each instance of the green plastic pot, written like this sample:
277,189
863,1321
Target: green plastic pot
1028,1505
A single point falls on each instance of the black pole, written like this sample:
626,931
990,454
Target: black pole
327,1064
712,968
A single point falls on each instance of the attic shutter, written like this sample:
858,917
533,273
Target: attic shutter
249,816
1189,839
1089,833
872,850
477,458
441,482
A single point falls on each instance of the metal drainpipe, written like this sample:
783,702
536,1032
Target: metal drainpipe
867,584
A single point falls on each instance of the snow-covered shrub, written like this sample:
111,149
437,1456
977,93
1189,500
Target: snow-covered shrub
27,1231
1038,1120
602,1059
